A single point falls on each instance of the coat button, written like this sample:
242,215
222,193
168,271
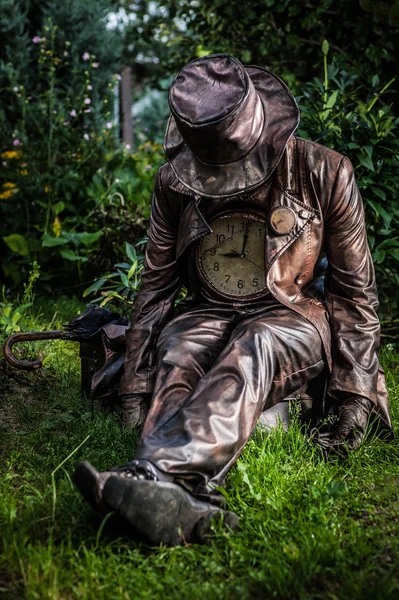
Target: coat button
304,214
299,280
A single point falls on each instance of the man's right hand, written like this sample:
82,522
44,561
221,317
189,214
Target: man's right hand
134,409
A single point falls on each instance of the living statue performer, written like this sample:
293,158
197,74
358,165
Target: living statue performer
242,213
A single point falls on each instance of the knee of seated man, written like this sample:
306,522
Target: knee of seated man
254,334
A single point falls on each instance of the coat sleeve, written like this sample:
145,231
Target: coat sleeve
154,303
351,293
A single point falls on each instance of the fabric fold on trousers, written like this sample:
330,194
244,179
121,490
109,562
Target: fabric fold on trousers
217,370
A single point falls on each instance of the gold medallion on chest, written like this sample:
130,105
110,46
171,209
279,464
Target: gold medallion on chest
282,220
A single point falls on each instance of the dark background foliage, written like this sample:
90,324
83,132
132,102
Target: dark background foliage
282,35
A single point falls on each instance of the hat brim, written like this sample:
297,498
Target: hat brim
281,118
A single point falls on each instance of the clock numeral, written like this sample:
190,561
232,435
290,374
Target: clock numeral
230,229
227,278
220,237
255,282
212,252
216,266
260,232
240,284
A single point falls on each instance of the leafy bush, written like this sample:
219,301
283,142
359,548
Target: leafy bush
56,126
12,313
120,287
281,35
338,112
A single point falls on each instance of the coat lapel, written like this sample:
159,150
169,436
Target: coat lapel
192,226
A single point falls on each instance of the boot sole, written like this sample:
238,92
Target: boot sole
159,512
86,479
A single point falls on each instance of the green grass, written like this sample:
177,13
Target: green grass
310,529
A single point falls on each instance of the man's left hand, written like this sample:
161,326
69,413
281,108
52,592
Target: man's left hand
353,417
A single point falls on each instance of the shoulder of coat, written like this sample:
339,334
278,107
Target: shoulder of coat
318,156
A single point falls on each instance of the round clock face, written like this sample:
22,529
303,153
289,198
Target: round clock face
231,260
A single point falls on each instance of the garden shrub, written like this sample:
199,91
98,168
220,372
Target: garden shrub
341,114
56,125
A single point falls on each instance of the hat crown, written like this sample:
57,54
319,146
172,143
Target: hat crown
208,89
216,108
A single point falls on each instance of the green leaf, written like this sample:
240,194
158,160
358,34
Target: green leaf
332,99
132,269
375,81
124,279
391,243
49,241
89,238
366,162
378,256
94,287
368,150
59,207
17,243
70,255
381,212
131,251
378,192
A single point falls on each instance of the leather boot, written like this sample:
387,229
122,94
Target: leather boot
159,512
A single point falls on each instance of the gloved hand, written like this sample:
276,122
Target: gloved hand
134,409
350,431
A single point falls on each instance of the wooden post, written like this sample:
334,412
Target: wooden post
126,106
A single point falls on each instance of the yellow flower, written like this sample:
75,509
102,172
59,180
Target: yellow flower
8,185
8,194
57,227
9,154
46,189
24,172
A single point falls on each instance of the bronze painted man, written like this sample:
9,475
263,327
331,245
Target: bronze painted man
241,214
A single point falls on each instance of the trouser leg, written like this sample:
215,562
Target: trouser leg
187,348
266,358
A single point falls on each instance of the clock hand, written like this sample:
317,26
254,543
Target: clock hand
230,254
248,259
229,237
244,244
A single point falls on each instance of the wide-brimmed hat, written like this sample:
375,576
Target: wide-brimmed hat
229,125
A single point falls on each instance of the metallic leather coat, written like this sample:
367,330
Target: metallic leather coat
318,184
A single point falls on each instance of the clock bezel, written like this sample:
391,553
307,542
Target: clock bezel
241,214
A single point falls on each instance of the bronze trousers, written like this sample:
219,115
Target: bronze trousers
218,368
